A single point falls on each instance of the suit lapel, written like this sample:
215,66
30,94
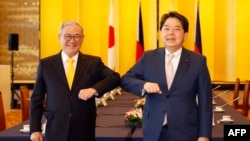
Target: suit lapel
81,65
58,66
182,67
161,66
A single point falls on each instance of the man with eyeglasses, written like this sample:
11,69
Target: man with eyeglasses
69,106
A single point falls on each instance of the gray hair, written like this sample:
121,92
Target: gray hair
67,23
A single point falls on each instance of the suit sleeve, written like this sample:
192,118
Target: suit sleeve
37,98
109,79
133,80
205,101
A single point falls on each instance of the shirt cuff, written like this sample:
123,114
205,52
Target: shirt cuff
143,92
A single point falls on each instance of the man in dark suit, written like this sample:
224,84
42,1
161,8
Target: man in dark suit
182,112
70,111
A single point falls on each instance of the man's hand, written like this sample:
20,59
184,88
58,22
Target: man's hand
203,139
36,136
150,87
85,94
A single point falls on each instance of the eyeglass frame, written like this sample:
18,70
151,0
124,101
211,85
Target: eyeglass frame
68,37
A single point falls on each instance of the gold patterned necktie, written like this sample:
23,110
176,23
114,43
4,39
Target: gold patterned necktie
169,70
70,71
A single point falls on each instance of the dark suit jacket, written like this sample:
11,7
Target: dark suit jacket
186,120
69,118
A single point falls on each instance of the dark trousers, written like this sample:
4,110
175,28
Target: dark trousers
164,136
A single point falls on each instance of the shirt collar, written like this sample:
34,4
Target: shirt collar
176,53
65,57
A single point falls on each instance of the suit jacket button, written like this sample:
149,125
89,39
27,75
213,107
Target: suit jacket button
167,96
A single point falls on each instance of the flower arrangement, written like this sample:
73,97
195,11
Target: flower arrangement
134,116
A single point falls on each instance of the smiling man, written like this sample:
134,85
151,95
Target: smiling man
171,86
69,94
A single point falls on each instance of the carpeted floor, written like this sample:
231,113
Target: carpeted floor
13,117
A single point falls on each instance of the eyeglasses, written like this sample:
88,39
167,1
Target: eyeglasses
68,37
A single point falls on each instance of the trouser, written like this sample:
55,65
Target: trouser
164,136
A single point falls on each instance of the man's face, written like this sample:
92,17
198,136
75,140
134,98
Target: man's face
173,34
71,39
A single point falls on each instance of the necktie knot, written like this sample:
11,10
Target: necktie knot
71,61
170,57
